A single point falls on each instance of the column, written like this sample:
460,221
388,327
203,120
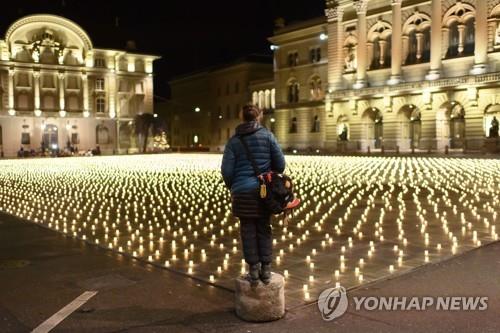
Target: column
361,7
85,93
481,38
36,93
369,51
405,42
12,111
117,136
461,38
436,41
112,92
334,15
383,48
397,48
420,45
62,112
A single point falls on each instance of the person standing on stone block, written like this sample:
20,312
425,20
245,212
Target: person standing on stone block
239,176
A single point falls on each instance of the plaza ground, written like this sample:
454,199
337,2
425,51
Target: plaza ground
41,271
154,236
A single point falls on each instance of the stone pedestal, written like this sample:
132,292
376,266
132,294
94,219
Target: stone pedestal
262,302
491,145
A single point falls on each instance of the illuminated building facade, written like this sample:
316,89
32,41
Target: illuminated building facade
58,91
204,107
389,75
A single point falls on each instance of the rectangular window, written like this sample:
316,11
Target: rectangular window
99,62
99,84
25,138
100,104
315,55
293,59
74,138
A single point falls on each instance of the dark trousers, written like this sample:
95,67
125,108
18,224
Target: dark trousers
256,236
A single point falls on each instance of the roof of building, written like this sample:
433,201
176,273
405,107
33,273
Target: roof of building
249,59
300,25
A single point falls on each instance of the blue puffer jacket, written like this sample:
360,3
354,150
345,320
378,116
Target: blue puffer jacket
236,167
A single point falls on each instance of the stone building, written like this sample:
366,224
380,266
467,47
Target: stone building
204,106
389,74
57,90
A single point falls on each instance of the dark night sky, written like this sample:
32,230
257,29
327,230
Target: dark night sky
189,35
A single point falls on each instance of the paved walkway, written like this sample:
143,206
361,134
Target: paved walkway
41,272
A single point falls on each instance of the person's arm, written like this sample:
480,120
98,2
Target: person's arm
277,157
227,167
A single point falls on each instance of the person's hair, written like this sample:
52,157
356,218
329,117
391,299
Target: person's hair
250,112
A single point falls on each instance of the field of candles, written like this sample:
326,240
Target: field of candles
361,218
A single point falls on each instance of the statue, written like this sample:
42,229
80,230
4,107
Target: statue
350,59
35,53
494,128
344,133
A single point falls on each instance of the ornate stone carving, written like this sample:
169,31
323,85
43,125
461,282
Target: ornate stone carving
361,6
334,13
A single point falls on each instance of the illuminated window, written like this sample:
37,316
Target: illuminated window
99,62
99,84
100,104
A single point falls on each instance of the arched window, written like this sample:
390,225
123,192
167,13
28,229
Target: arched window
273,98
293,91
261,99
416,38
426,52
453,40
470,32
293,125
267,99
375,54
255,98
460,19
100,104
102,135
379,45
412,48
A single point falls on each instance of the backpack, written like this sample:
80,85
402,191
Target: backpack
276,189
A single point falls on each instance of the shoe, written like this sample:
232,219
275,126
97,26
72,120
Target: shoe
265,273
253,274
